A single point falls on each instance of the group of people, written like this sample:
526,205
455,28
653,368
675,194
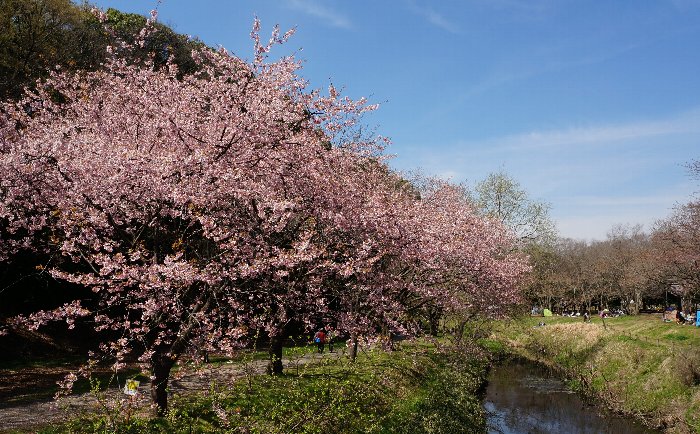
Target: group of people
321,338
672,314
682,318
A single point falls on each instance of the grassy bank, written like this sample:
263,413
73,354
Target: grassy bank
639,365
416,389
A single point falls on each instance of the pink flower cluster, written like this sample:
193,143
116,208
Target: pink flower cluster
204,208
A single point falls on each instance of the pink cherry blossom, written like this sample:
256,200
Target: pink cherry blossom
204,209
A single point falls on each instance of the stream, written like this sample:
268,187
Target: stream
525,398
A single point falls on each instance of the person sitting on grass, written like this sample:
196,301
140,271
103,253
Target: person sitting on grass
680,319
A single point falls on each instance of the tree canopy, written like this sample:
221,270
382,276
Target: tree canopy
39,35
501,197
204,207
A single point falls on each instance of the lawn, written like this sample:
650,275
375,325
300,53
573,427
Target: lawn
416,388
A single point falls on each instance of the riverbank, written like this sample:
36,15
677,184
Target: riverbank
416,388
638,366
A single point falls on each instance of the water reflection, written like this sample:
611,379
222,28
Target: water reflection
523,398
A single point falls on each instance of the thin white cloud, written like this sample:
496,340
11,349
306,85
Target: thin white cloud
517,5
559,146
519,70
685,4
655,130
321,11
588,174
688,122
659,200
522,9
433,17
597,227
594,222
595,216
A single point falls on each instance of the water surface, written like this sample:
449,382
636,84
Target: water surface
524,398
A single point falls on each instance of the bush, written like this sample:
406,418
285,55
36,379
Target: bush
448,399
688,368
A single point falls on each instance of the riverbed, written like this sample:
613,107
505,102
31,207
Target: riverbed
525,398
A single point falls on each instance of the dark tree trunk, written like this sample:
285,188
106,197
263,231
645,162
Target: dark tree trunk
160,365
434,320
164,357
685,303
276,345
461,327
634,307
353,348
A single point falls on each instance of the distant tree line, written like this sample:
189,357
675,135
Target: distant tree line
630,270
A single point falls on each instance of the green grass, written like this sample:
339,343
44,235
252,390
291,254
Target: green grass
42,373
417,389
638,365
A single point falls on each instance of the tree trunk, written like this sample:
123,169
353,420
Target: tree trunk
275,365
634,308
460,329
685,303
434,315
388,344
160,366
353,348
164,358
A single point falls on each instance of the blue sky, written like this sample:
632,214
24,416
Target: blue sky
593,106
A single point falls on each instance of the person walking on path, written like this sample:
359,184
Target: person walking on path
329,340
320,339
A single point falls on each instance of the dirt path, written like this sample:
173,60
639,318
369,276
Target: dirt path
48,412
